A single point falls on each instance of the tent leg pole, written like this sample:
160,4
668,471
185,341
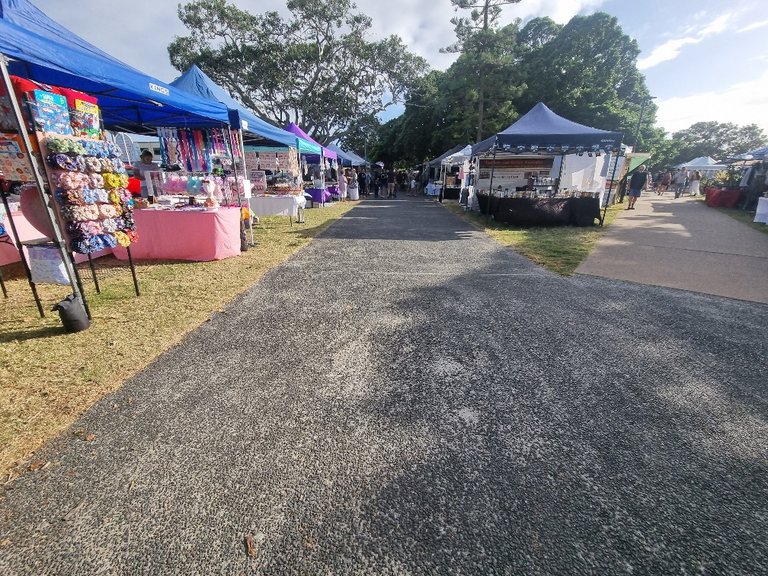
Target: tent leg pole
610,189
490,186
133,272
93,274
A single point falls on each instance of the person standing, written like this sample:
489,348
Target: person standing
681,178
637,183
352,188
361,183
391,182
146,164
342,185
695,180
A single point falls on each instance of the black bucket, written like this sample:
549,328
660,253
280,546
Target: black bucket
72,314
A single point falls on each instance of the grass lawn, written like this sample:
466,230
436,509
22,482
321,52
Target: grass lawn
559,249
49,377
746,217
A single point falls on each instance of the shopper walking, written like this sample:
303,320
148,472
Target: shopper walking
680,180
637,183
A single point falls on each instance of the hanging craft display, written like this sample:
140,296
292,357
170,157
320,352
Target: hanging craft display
90,184
194,150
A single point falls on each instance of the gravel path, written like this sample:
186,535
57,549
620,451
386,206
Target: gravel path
404,396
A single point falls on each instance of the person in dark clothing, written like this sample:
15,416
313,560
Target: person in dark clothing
637,183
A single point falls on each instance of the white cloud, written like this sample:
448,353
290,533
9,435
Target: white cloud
742,103
754,26
694,35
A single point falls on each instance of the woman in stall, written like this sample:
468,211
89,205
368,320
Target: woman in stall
146,164
342,185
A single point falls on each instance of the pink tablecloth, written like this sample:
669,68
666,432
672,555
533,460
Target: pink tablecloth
9,253
183,235
715,197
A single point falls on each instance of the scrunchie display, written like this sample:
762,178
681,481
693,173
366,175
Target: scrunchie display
90,196
74,197
64,145
107,211
92,164
107,165
102,194
122,239
62,162
108,240
95,180
71,180
118,165
109,225
111,181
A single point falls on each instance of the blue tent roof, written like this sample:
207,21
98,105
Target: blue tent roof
356,159
543,128
130,100
197,82
344,158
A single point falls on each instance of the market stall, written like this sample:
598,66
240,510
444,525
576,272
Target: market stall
526,163
78,90
317,168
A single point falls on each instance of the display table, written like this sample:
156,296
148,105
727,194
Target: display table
761,214
8,251
277,205
542,211
717,198
185,235
319,195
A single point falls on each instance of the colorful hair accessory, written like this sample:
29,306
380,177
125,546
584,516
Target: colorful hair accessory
112,150
109,225
74,197
59,195
129,224
108,240
62,161
122,239
119,166
107,165
113,197
70,180
132,235
96,180
92,164
107,211
64,146
111,181
90,196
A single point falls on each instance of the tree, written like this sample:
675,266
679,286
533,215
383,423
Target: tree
588,73
476,39
720,141
317,68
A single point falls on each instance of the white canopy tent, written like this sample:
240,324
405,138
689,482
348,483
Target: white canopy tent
703,164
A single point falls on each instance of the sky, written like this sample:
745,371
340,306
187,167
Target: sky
704,60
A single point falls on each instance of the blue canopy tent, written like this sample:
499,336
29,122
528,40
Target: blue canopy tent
345,159
542,130
44,51
356,159
197,82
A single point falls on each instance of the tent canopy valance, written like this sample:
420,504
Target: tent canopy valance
702,163
318,149
437,162
44,51
346,157
759,154
541,130
197,82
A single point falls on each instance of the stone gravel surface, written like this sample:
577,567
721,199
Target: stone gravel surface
405,396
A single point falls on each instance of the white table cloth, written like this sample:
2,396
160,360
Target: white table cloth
277,205
761,215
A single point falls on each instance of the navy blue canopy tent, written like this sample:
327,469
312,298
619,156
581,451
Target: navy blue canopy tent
197,82
541,130
42,50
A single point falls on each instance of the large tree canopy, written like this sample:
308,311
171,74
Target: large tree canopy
317,68
721,141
